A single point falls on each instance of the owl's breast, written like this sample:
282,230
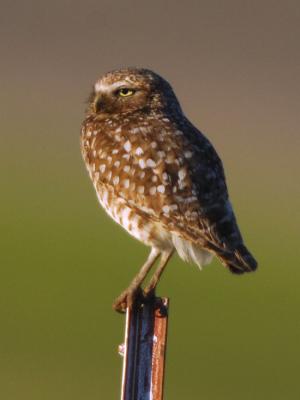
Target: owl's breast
139,175
148,232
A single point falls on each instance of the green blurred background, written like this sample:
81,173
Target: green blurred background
235,68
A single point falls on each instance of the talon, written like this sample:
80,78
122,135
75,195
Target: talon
127,299
120,305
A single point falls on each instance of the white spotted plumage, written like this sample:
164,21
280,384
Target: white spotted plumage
156,174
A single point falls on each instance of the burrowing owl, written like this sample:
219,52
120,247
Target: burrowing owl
158,176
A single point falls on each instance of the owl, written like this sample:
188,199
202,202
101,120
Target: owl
158,177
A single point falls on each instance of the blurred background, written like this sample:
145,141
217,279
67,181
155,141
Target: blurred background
235,68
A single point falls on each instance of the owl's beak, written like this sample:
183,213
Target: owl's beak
100,103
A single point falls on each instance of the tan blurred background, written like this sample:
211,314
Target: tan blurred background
235,68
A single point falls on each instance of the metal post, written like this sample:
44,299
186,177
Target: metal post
144,350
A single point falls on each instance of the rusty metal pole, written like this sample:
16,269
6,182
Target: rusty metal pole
144,350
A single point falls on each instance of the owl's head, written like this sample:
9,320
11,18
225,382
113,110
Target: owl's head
129,90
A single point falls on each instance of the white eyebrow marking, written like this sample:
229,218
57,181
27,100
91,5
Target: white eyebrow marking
108,87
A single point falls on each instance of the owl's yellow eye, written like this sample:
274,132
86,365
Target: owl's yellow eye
125,92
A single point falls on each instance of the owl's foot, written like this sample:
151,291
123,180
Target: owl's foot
157,302
127,299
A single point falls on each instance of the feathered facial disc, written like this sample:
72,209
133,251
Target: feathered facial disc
129,90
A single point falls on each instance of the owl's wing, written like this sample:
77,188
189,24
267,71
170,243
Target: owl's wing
205,209
200,208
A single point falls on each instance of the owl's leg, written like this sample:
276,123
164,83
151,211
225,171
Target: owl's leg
165,257
127,297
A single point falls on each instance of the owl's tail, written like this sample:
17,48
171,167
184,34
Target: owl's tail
238,261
